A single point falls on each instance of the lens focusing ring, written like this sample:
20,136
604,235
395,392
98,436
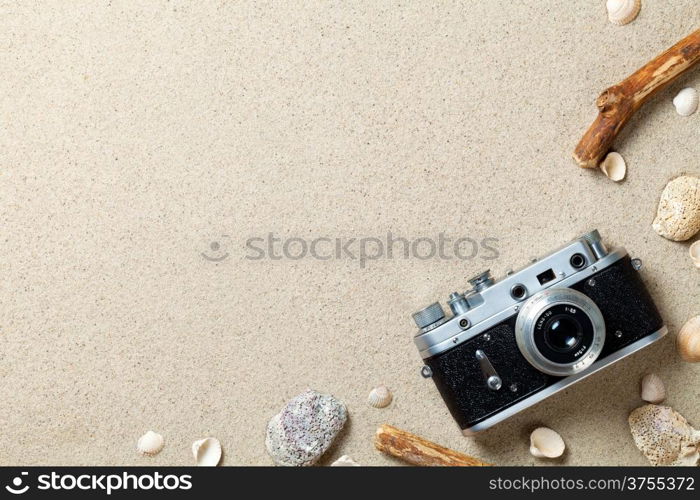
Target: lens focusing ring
539,304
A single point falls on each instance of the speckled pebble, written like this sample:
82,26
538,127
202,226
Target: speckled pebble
304,429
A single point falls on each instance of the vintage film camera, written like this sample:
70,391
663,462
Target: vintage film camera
514,342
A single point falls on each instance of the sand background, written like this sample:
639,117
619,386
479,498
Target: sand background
135,134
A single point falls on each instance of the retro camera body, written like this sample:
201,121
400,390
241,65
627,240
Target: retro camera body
512,343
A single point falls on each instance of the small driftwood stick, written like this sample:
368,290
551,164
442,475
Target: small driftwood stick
618,103
417,451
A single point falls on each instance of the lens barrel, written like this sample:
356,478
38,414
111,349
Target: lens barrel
560,331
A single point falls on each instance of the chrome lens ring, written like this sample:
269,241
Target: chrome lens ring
531,318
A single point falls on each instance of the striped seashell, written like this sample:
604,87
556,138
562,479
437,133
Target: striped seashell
380,397
614,166
207,452
694,252
653,390
345,461
623,12
545,442
686,101
688,341
150,444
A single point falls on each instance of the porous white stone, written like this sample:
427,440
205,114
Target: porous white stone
305,428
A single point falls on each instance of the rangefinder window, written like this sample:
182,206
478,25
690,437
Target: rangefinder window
546,276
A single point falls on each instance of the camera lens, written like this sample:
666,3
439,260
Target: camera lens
560,331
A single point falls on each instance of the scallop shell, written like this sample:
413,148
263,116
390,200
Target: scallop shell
345,461
688,341
380,397
545,442
686,101
207,452
694,252
664,436
622,12
150,444
614,166
653,390
678,214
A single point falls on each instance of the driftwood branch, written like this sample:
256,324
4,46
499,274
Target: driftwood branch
417,451
618,103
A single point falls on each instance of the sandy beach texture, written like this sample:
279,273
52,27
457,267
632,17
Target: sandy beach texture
134,135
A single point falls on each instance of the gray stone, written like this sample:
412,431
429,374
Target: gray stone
305,428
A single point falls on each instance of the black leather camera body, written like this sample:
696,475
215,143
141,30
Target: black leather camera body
512,343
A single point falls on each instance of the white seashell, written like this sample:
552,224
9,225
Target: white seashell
380,397
678,214
545,442
207,452
653,390
345,461
686,102
150,444
694,252
614,166
622,12
688,341
664,436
